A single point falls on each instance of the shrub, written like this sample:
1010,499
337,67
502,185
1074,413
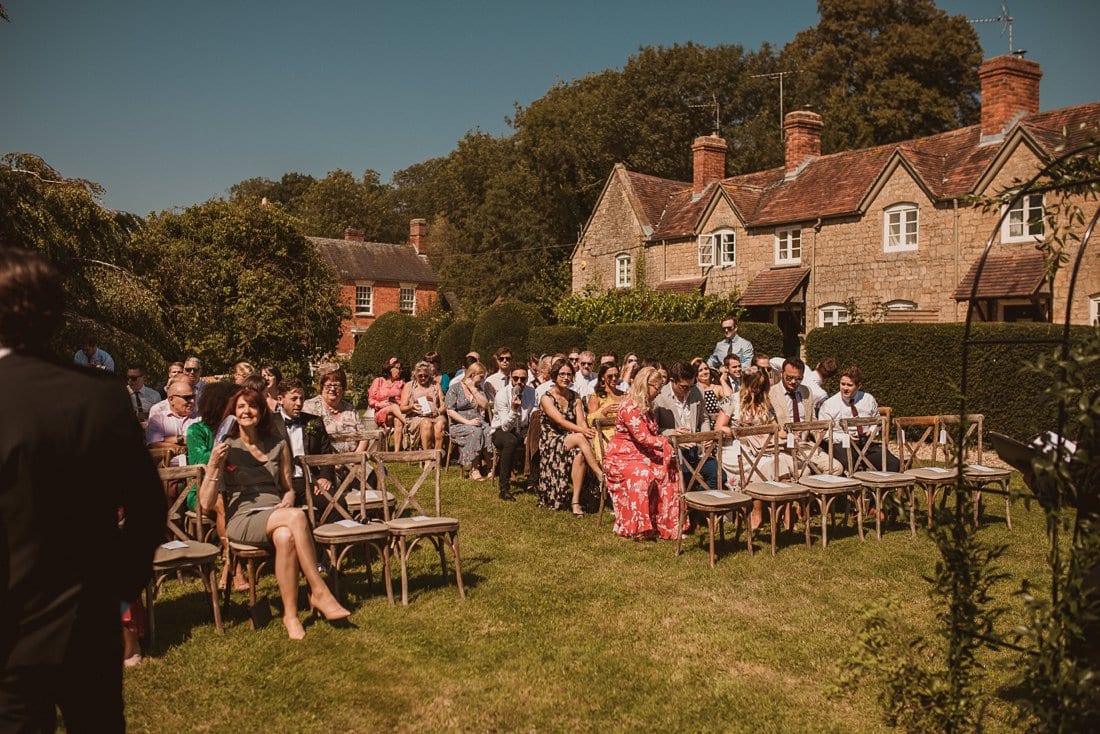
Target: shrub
916,369
454,343
504,325
638,304
553,339
676,341
391,334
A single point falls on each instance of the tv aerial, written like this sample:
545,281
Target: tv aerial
717,109
1006,25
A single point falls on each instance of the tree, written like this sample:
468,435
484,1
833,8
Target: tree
287,191
240,282
338,201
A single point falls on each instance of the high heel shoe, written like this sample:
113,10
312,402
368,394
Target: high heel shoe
578,511
332,611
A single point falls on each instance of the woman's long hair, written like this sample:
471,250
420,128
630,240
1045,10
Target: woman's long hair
601,386
639,388
755,405
215,398
259,403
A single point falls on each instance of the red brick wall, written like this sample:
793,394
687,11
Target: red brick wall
1010,85
709,161
803,137
386,298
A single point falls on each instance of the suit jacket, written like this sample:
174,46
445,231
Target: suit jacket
67,464
315,439
778,397
668,415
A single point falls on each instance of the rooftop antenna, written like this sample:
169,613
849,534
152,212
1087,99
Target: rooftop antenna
1006,24
778,75
714,104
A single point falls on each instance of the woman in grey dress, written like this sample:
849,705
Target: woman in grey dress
252,466
466,406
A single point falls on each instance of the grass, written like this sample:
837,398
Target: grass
568,627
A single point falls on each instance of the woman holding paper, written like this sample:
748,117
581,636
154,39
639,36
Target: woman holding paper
422,401
253,467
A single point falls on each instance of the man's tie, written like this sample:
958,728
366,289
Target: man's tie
137,403
859,429
729,347
291,422
793,394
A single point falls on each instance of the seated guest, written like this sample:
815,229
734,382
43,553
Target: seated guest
272,377
253,381
791,403
422,404
192,368
712,393
825,370
384,396
253,465
730,382
439,377
306,435
764,362
543,382
499,379
242,370
168,429
339,415
640,465
631,365
466,407
511,416
143,398
679,409
174,369
852,402
471,357
533,368
564,446
604,402
609,358
585,381
90,355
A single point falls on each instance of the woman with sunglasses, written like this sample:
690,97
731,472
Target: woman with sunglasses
564,444
422,403
604,402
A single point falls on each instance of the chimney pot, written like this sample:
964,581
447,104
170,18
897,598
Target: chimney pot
709,159
1010,86
353,235
418,235
802,138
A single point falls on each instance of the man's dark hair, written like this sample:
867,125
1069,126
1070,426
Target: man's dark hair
470,359
214,400
612,355
291,383
32,300
255,381
729,317
795,362
681,371
826,367
140,369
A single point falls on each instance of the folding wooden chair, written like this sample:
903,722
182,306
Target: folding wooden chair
696,495
880,481
758,485
181,551
812,436
406,532
334,528
976,475
601,424
917,434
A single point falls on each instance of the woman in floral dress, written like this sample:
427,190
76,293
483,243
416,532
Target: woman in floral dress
466,406
564,444
339,415
385,397
642,475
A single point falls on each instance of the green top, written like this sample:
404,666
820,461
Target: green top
200,442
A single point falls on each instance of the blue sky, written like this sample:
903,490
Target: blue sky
169,103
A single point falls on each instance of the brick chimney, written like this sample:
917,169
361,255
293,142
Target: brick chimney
353,235
801,137
709,158
1010,86
418,235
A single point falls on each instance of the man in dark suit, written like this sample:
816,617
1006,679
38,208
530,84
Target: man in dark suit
67,464
305,434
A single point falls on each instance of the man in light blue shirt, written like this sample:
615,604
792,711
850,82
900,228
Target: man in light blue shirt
90,355
731,344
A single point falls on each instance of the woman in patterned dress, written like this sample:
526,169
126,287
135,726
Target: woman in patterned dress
466,406
385,397
712,394
338,414
427,424
564,444
643,478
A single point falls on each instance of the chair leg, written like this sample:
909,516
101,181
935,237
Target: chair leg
710,529
912,511
806,520
386,571
746,516
1008,506
458,564
878,514
603,499
438,543
771,517
212,584
152,636
403,551
859,511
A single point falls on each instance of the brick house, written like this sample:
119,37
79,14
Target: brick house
882,227
378,277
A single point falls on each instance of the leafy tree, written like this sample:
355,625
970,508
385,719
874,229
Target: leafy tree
240,282
338,201
287,191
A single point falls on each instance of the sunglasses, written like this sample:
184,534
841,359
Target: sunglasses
191,369
586,364
504,359
185,398
632,361
611,375
132,378
518,378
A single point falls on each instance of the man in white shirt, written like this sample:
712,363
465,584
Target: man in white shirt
499,379
192,368
512,408
792,403
169,429
584,382
813,379
679,409
731,376
142,398
90,355
851,402
305,434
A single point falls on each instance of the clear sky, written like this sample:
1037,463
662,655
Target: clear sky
169,103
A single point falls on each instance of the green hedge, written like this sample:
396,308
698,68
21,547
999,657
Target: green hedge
630,305
676,341
554,339
391,334
504,325
454,343
916,369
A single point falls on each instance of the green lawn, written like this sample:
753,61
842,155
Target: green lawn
565,627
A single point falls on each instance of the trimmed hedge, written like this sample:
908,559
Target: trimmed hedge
391,334
670,342
554,339
629,305
454,343
505,324
916,369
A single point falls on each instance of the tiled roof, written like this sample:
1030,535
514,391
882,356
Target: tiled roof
352,260
774,287
1017,275
1080,123
653,193
682,285
682,214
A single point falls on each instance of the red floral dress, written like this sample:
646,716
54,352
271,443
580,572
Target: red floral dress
642,476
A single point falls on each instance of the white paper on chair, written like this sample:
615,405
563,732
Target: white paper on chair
880,473
830,479
939,469
371,494
781,485
790,440
717,493
979,467
348,524
421,518
943,435
901,432
173,545
423,405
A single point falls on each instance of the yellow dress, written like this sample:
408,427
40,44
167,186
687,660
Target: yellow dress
593,416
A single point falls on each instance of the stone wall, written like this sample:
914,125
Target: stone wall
613,229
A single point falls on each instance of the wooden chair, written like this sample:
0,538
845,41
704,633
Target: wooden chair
976,475
758,485
182,552
531,448
880,481
714,503
600,424
440,531
825,488
915,435
334,528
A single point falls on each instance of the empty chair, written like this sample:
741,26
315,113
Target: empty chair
861,456
826,487
917,435
975,474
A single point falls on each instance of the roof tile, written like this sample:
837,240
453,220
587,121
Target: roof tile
774,287
1015,275
353,260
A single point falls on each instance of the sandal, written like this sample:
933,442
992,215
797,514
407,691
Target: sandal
578,511
475,475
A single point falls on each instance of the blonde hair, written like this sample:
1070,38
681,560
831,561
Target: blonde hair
243,369
477,368
639,388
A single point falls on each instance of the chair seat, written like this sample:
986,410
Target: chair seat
772,491
421,524
347,533
882,478
245,550
372,499
716,500
986,473
828,484
192,552
933,474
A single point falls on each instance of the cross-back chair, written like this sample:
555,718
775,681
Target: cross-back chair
407,531
917,437
334,527
876,479
602,424
698,496
810,437
181,551
976,475
761,481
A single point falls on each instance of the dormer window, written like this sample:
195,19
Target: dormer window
899,228
720,247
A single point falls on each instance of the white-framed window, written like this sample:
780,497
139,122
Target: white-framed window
1094,309
364,299
788,246
407,299
718,248
624,275
900,305
1025,221
900,227
832,314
